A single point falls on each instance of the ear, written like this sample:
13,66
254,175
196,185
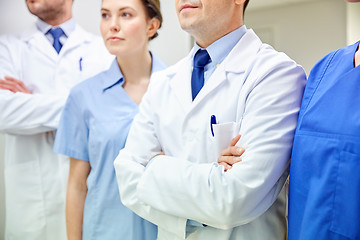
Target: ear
239,2
153,26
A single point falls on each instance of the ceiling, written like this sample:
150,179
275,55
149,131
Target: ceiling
256,4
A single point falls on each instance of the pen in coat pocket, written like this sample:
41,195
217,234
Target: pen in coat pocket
80,64
212,121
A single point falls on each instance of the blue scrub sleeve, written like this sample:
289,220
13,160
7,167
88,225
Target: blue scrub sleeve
72,134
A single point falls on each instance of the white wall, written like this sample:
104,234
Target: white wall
172,43
353,20
87,13
304,31
2,197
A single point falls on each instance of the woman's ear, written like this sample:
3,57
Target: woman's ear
239,2
153,26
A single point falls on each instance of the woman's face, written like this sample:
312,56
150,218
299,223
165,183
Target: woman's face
125,26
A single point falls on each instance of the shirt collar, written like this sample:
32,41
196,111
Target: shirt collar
68,27
113,76
223,46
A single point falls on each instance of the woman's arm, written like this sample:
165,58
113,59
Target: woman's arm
75,197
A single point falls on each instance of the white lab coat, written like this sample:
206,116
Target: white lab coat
256,92
35,177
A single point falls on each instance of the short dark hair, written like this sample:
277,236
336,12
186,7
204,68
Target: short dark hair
152,8
245,4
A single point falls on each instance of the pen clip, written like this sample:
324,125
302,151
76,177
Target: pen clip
212,121
80,63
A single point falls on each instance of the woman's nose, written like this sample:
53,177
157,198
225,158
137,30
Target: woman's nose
115,26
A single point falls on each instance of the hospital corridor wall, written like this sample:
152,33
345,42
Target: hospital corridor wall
2,191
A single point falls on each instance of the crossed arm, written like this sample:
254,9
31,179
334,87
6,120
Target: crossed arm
25,113
203,192
229,156
14,85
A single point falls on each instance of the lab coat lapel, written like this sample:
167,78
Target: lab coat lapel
36,39
234,65
180,75
77,38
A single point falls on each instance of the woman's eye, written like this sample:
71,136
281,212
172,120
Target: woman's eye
104,15
125,14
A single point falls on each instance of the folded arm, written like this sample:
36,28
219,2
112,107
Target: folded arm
27,114
207,194
22,112
130,167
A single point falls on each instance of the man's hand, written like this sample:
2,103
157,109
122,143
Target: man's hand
231,154
13,85
152,158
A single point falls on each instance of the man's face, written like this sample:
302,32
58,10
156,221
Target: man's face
46,9
200,15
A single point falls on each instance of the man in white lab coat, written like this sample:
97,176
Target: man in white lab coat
248,89
37,69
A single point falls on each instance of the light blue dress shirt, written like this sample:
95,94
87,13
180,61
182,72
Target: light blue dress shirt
68,27
94,126
219,50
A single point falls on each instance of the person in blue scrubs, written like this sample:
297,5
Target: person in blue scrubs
324,196
96,120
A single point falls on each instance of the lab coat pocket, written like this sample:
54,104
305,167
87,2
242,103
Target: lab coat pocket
24,198
346,206
223,134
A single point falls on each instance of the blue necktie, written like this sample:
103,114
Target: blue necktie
57,33
201,58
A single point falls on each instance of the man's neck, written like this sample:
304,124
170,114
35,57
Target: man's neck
57,21
206,38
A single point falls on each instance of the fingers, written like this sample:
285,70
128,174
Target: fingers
228,151
19,85
231,154
11,79
232,151
231,160
228,162
13,85
235,140
226,166
6,86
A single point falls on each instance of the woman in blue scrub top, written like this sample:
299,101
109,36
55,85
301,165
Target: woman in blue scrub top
324,197
96,120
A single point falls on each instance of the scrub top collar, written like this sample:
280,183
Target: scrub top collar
68,27
114,75
223,46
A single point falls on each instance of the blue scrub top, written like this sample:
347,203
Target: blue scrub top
324,197
94,126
